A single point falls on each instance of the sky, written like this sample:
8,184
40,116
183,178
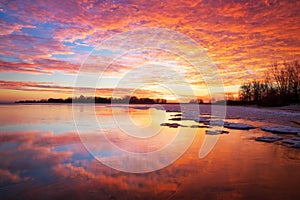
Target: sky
44,45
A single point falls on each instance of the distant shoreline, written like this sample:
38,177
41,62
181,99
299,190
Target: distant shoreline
149,101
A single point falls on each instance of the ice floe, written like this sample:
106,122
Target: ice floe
268,138
200,126
216,132
281,129
176,115
291,140
202,120
216,122
296,145
172,125
295,142
191,118
240,126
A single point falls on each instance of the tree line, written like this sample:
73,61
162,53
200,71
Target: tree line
83,99
280,86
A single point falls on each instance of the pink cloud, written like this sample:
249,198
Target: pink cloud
7,29
8,177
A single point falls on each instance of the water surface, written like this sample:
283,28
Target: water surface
43,157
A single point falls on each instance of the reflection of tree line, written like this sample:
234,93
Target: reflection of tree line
83,99
281,86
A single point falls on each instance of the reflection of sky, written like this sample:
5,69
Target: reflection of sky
56,127
39,164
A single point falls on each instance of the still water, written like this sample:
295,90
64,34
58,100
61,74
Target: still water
50,152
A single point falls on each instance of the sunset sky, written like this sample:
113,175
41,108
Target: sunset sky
44,43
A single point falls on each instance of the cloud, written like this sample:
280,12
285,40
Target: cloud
20,85
68,90
239,36
25,46
8,177
7,29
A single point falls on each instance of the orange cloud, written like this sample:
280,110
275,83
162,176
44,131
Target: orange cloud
59,91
